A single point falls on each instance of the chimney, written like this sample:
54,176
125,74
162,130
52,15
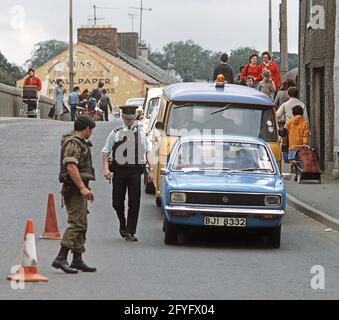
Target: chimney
101,36
143,50
128,43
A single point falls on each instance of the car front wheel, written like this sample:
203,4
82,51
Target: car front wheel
171,233
274,238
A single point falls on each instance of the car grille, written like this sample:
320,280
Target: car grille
233,199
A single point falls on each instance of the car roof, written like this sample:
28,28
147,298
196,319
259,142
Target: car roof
208,92
226,137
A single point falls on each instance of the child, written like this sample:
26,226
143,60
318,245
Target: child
297,132
250,82
267,86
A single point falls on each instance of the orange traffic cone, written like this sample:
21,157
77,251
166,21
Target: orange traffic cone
28,271
51,224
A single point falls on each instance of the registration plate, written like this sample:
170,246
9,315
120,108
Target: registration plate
225,222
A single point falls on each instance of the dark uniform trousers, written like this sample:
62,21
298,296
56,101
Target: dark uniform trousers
75,236
130,179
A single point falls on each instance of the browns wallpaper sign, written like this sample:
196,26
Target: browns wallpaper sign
91,66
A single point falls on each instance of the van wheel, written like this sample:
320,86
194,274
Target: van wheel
171,233
158,202
274,238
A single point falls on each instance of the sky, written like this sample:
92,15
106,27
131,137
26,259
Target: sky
218,25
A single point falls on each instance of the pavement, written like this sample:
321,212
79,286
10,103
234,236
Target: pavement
318,201
204,265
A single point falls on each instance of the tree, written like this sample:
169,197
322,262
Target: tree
9,73
45,51
188,59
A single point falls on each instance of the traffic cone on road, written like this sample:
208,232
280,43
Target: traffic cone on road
28,270
51,224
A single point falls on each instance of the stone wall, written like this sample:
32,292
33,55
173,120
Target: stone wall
11,103
316,48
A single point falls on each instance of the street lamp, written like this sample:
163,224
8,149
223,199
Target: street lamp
71,53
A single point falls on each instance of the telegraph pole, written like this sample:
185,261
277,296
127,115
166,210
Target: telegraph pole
142,9
71,53
283,37
270,28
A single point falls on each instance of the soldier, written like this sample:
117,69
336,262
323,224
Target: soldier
76,171
127,147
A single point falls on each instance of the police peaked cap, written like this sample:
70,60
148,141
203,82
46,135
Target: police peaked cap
131,110
86,121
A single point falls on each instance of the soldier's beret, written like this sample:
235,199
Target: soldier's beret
85,121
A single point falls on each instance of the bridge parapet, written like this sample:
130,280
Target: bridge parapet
11,102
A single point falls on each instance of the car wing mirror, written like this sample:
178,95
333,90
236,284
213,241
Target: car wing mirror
160,126
286,176
164,172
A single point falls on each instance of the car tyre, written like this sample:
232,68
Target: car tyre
274,238
171,232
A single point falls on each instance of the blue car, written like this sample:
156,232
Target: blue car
223,182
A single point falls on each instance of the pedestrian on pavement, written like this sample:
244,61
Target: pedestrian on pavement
284,113
252,69
97,93
282,95
250,82
225,69
74,102
32,80
129,150
281,98
58,95
267,85
269,64
105,103
238,79
83,98
297,132
76,171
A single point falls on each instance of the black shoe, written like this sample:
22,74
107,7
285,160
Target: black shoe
131,238
82,266
123,233
64,266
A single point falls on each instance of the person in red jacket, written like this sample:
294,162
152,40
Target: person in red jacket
32,80
269,64
252,69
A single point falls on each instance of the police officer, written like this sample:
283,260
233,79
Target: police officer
129,149
76,171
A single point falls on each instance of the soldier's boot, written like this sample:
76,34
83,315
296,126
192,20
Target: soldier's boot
60,262
79,264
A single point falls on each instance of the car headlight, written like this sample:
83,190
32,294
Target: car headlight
272,201
178,197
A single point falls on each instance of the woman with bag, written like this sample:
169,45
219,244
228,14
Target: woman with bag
58,95
252,69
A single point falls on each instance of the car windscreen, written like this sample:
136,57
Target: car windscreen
212,118
136,102
222,155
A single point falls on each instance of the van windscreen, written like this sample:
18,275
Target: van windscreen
199,118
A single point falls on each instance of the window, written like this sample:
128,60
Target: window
198,118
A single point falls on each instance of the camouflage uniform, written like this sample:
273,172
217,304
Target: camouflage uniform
75,150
